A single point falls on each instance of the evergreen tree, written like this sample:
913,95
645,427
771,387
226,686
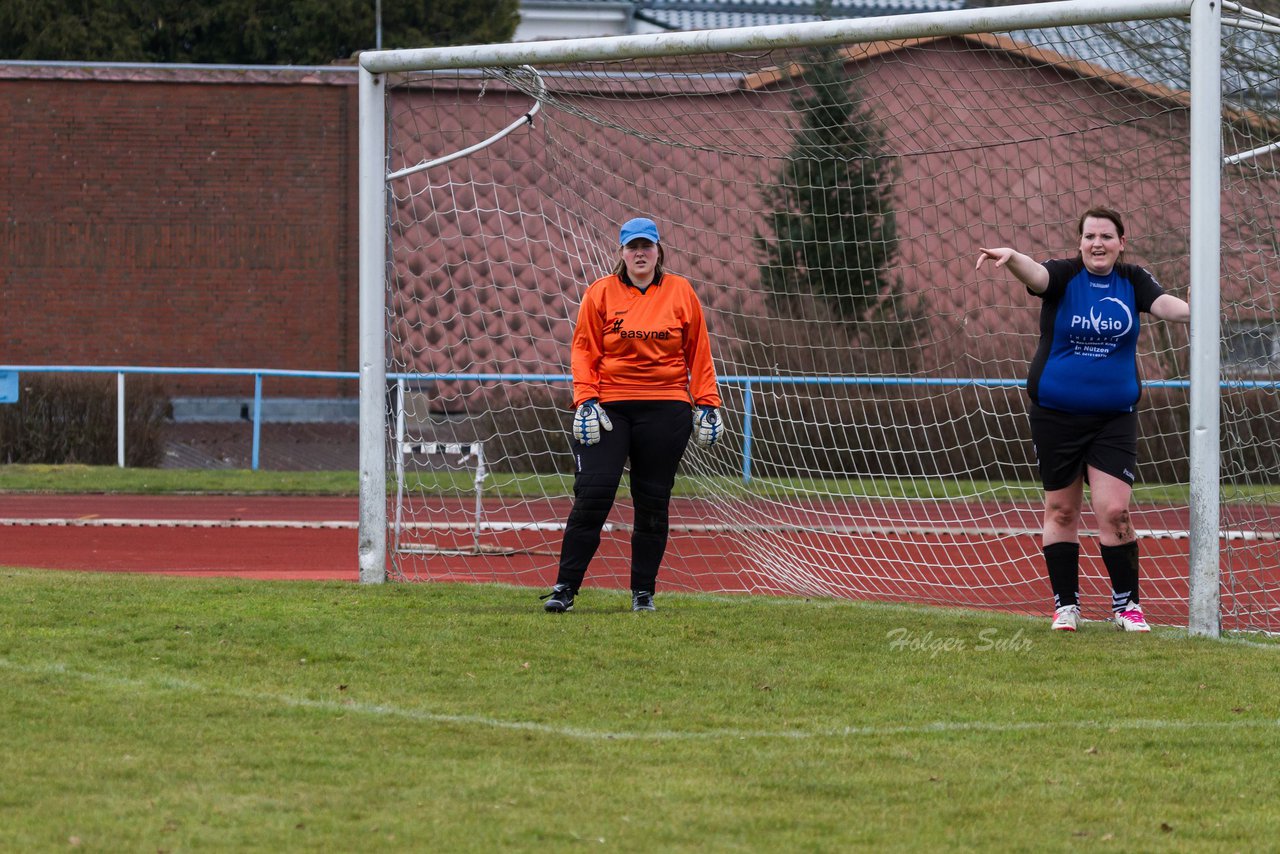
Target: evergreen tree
830,228
247,32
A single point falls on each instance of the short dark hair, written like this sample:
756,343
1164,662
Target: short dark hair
1101,213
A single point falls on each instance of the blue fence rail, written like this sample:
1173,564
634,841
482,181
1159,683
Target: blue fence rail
122,371
748,383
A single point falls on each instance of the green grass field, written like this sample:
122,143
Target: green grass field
155,713
171,714
80,478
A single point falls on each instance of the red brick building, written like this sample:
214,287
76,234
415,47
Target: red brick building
181,217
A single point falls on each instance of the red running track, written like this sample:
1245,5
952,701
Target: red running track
315,538
298,537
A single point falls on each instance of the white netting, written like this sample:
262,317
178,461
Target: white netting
827,204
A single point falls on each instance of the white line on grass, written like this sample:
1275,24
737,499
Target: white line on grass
384,710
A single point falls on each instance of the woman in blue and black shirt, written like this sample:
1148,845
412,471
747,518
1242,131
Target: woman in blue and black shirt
1084,388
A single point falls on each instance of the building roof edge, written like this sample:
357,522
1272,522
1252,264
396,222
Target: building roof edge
145,72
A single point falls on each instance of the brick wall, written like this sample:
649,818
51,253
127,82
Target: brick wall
180,217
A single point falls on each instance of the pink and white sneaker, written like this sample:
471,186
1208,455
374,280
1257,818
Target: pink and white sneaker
1066,618
1130,619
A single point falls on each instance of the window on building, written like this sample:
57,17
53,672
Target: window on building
1251,347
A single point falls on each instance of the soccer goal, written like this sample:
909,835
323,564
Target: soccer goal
826,186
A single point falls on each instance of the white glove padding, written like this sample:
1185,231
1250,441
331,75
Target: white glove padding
708,426
589,420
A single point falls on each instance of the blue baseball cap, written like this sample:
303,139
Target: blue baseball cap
636,228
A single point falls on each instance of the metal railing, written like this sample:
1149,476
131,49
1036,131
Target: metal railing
122,371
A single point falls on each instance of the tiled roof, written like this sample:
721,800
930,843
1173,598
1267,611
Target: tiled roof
711,14
1158,54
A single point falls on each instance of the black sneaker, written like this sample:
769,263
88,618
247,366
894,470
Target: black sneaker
642,600
559,600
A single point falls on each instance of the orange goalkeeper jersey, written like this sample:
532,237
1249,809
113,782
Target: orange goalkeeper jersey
650,345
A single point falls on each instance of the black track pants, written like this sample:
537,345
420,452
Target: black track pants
653,434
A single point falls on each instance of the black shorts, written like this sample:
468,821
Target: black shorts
1066,442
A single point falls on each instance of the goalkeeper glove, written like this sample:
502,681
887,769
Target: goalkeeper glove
708,426
588,421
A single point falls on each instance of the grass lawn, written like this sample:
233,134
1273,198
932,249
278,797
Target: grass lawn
111,479
160,713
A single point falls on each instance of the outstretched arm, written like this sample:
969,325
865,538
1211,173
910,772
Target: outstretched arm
1025,268
1171,308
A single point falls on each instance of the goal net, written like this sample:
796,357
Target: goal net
827,198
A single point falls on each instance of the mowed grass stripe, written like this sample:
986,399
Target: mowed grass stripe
134,686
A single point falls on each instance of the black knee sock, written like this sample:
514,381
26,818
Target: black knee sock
1063,562
1122,566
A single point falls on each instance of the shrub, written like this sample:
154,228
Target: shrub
60,420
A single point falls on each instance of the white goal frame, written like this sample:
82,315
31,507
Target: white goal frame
1205,252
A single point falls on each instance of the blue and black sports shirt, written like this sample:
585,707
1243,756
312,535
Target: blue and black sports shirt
1087,361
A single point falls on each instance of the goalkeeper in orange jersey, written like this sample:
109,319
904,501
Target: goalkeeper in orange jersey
641,359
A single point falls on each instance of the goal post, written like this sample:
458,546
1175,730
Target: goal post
372,200
873,380
849,31
1205,297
